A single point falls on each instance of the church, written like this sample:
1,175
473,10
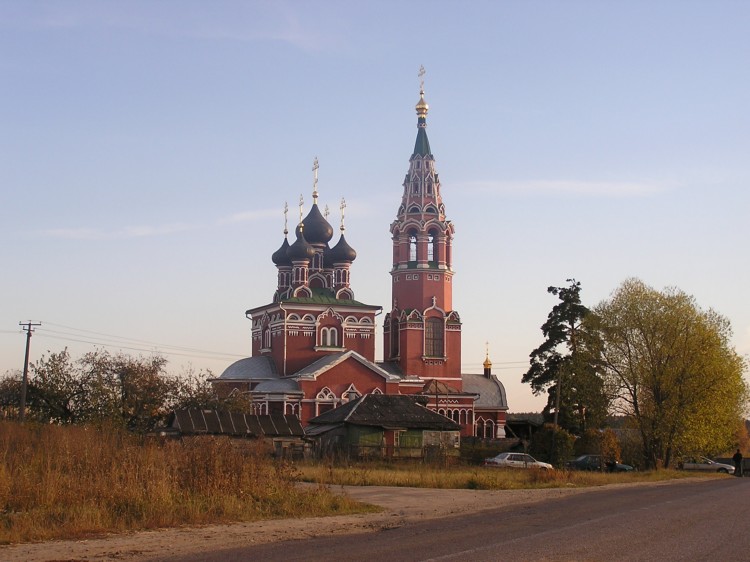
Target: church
313,345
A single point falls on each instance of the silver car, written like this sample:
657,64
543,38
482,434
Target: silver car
705,465
516,460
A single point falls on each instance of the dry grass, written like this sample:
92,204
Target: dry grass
67,482
476,478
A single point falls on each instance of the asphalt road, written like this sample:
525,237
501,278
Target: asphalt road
705,520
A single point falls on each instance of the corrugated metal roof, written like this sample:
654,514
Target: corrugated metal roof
195,421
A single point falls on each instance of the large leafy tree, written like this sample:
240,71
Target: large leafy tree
673,370
563,367
57,392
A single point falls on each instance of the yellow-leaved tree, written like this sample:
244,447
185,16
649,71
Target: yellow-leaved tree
671,366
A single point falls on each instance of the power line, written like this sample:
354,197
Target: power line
143,349
112,340
134,340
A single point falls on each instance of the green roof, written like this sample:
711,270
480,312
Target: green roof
422,146
325,297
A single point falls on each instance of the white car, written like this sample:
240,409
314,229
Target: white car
516,460
705,465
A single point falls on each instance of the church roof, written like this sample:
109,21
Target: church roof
325,296
491,391
422,145
327,362
390,411
258,368
278,386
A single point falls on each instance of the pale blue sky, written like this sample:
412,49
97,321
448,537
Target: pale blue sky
147,149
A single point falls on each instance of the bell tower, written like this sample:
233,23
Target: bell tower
422,332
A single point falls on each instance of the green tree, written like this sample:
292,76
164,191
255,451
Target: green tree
56,391
552,444
562,365
132,390
672,368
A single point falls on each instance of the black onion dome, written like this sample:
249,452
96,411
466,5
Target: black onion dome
317,228
280,256
300,250
342,252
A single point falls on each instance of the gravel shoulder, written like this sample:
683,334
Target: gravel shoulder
400,506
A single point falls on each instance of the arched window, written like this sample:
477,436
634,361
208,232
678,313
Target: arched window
431,247
433,340
395,338
267,338
329,337
412,247
325,400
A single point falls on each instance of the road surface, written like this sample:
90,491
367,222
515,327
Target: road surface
704,520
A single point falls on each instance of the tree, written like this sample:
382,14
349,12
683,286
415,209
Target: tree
10,394
132,390
563,365
57,393
552,444
672,368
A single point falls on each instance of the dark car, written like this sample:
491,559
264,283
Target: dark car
595,462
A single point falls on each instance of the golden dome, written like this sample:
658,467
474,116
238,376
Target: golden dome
487,362
422,106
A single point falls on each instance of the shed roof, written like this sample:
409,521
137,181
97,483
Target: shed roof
383,410
194,421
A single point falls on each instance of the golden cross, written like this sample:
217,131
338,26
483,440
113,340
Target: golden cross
315,180
421,78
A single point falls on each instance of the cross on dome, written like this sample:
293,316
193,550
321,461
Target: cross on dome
315,181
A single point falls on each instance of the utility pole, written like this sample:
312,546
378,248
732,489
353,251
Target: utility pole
28,327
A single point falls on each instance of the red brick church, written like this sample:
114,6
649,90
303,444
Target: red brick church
313,346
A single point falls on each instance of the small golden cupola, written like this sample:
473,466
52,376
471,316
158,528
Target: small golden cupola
487,364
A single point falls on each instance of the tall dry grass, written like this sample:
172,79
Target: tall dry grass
75,481
476,477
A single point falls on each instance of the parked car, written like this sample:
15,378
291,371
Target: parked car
704,465
595,462
516,460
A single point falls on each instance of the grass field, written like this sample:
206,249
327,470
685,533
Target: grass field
69,482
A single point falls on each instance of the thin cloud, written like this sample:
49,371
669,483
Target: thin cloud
250,216
127,232
290,23
568,187
147,231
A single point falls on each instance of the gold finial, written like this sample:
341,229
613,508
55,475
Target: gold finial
301,202
315,180
487,362
286,211
342,207
422,106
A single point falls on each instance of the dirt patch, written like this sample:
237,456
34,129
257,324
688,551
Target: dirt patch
400,506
